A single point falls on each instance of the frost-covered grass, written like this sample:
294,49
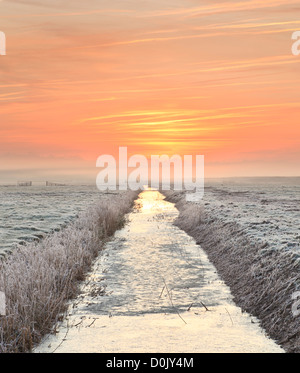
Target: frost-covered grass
39,278
261,277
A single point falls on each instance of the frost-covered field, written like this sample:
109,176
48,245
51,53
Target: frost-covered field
250,230
267,208
28,213
38,279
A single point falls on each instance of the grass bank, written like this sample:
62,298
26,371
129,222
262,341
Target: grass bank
40,278
261,280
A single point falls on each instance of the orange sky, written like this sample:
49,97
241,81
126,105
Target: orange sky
82,78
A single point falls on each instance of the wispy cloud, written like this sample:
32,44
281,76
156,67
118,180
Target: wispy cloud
158,76
224,7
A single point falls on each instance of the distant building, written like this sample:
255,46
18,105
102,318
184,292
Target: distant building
49,183
24,183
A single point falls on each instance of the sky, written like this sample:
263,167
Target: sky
83,78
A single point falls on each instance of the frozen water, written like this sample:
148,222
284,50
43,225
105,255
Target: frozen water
154,290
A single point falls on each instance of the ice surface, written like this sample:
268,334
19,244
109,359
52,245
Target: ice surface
154,290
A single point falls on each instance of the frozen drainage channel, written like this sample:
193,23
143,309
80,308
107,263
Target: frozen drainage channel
154,290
